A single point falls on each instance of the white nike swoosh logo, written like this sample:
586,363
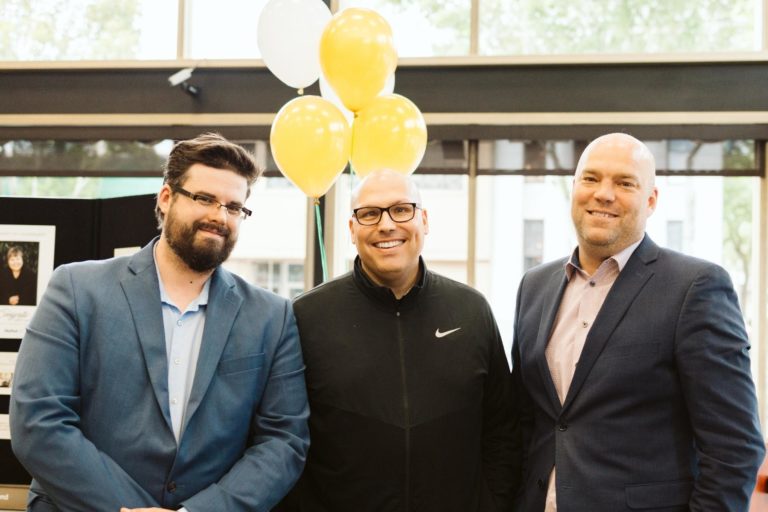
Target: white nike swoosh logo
439,334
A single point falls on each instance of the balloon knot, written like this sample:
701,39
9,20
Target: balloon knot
301,91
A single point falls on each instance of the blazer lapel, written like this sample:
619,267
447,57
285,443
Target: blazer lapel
623,292
554,288
223,305
142,291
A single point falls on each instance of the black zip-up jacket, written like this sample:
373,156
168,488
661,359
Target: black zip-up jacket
410,400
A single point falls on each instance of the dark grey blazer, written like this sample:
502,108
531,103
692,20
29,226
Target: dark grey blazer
661,413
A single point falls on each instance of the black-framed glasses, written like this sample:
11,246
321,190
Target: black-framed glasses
233,210
371,215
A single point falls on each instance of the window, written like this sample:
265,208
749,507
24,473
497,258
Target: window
533,243
47,30
83,158
529,27
225,29
424,28
530,157
281,277
675,235
87,30
91,169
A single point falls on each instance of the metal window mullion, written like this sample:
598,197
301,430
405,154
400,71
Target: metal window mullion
474,27
181,27
309,252
764,26
472,157
329,229
761,293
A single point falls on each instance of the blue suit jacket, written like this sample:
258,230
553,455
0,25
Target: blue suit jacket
661,413
90,417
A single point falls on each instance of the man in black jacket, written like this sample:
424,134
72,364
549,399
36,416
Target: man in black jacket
409,387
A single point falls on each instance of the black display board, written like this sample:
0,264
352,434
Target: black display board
86,229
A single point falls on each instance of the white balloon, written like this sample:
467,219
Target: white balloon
288,36
389,86
327,92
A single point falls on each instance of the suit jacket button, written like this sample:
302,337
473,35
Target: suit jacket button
541,484
171,487
562,427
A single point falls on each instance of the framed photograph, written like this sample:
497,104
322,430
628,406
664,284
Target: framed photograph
7,364
26,265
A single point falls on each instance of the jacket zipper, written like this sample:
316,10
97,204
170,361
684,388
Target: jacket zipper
406,414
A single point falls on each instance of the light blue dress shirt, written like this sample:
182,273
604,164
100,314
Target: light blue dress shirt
183,336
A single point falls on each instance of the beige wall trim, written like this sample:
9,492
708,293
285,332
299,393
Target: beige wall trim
467,60
587,118
435,119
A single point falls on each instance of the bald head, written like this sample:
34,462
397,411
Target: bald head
383,180
624,146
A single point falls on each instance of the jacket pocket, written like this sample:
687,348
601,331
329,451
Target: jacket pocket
658,495
241,364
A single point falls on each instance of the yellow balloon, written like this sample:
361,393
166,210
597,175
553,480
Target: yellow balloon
310,141
389,133
357,55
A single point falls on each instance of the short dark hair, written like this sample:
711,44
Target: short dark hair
212,150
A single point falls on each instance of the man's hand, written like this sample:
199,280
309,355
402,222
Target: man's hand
13,300
153,509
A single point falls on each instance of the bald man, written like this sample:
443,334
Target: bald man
631,362
408,384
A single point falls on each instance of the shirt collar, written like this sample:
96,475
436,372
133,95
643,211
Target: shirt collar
201,300
621,259
384,295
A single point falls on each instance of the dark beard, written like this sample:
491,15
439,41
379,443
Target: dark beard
204,256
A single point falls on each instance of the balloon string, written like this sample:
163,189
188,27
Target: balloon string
320,239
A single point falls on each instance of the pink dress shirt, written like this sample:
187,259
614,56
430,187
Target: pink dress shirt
582,299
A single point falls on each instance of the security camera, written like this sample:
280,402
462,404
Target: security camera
180,76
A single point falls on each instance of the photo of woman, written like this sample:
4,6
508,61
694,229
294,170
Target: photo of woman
18,273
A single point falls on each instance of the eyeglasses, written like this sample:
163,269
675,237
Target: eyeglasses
232,210
371,215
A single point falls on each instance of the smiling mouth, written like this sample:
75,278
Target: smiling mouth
213,229
388,244
602,215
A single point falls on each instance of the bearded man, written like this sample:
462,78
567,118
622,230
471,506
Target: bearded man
160,381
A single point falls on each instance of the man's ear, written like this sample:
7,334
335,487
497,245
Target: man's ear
425,220
352,236
652,199
164,198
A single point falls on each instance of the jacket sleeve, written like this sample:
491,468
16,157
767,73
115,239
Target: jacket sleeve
45,413
273,462
712,354
500,430
523,406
